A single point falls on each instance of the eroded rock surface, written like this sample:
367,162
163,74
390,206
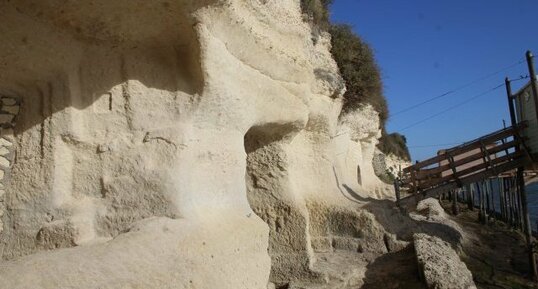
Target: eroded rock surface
178,144
439,265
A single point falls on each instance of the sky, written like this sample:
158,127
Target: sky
427,48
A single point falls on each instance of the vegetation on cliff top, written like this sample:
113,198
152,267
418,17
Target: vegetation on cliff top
359,70
395,144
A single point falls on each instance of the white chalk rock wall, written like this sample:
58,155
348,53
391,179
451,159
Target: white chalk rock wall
356,141
174,144
9,109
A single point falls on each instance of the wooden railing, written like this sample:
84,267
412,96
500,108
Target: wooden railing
473,161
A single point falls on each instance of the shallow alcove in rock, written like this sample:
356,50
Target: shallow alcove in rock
98,84
272,198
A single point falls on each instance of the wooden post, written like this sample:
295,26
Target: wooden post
501,198
455,208
506,203
527,223
470,204
510,203
513,204
510,101
487,191
480,204
493,212
484,202
532,74
521,222
509,200
505,199
472,197
397,191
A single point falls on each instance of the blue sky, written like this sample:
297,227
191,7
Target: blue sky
426,48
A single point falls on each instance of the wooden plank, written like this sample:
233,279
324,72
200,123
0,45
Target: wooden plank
434,173
415,198
474,157
487,158
467,171
487,139
428,174
472,169
453,168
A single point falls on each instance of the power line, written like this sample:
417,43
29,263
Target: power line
521,77
453,107
457,88
436,145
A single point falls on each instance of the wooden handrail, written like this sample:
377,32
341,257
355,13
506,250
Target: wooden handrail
477,168
486,140
465,181
428,173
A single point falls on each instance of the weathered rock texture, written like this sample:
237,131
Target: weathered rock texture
176,144
440,265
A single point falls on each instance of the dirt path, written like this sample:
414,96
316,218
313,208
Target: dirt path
494,253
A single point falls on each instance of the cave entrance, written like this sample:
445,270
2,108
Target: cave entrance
270,196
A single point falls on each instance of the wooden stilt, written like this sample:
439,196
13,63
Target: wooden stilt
493,212
501,197
455,208
487,191
473,196
480,203
527,225
510,204
470,205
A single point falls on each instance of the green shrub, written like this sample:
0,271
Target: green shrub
359,70
395,144
387,177
317,11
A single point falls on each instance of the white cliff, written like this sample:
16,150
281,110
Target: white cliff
176,144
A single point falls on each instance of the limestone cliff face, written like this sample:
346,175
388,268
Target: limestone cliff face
175,144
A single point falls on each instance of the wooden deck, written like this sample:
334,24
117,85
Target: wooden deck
485,157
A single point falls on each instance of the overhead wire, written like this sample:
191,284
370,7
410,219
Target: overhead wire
452,107
435,145
521,77
452,91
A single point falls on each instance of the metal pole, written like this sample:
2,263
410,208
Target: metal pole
532,74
